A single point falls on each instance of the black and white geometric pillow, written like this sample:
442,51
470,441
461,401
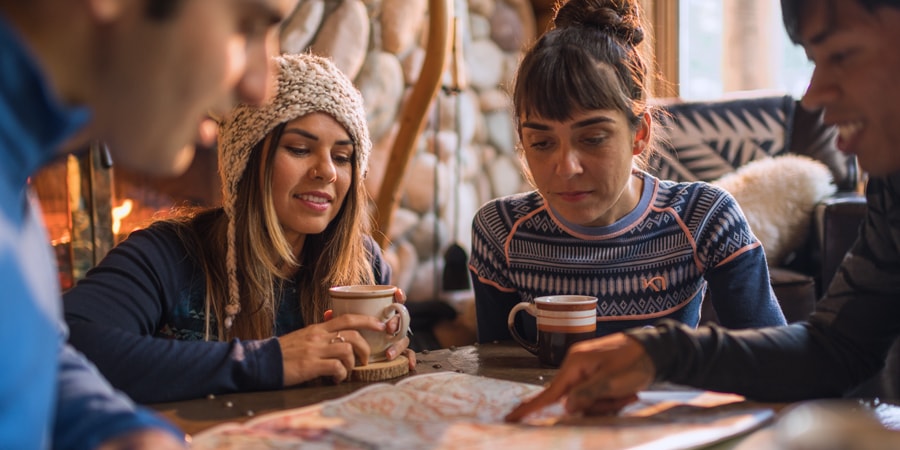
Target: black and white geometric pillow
702,141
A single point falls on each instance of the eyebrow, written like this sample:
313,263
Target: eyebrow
820,37
308,135
580,124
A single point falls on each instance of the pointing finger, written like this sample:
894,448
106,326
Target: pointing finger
555,391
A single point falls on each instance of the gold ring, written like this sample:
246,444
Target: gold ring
337,338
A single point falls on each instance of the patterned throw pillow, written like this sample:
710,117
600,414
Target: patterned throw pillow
702,141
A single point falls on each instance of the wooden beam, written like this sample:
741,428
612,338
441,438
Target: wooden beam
412,117
663,18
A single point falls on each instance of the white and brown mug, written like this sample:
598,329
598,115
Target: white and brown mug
562,320
376,301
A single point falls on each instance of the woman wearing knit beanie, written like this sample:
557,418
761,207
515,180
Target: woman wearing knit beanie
233,298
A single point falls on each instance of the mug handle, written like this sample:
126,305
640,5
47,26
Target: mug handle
400,310
511,323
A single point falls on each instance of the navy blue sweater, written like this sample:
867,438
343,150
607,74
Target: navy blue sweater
139,316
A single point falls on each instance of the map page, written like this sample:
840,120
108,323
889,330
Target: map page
450,410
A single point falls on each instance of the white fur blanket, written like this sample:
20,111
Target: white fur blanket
778,196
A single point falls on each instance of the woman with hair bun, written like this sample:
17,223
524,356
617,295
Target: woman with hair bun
597,223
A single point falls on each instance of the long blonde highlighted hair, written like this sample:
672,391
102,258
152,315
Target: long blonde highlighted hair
337,256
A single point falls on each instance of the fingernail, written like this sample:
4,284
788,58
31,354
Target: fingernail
391,353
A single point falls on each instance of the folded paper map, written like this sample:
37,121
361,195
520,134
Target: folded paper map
452,410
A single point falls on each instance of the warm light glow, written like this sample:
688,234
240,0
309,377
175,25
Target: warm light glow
119,213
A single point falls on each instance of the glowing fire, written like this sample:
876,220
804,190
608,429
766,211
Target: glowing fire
119,213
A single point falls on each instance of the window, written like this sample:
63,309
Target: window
736,45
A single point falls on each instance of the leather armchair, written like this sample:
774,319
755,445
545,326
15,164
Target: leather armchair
837,221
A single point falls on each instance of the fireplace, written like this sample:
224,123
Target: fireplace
89,204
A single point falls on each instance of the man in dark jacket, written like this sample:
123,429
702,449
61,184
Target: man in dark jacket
853,44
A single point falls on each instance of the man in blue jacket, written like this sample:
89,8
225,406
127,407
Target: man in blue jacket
853,44
140,75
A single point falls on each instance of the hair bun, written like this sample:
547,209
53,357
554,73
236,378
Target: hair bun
618,18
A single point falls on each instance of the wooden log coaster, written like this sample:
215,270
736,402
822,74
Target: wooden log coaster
381,370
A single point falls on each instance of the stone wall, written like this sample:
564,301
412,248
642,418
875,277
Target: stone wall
380,45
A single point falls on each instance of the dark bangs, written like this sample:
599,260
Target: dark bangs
790,15
792,12
558,81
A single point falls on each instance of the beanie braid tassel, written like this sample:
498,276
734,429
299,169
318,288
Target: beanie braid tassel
234,303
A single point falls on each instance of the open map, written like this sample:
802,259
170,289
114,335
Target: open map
451,410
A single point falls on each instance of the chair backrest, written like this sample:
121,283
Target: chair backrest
702,141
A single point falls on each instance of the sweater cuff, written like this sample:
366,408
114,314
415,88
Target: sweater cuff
269,363
660,344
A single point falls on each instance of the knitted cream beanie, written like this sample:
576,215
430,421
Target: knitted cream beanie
306,84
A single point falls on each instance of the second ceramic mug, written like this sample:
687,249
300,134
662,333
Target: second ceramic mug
562,320
376,301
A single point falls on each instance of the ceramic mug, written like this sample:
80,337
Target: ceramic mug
562,320
376,301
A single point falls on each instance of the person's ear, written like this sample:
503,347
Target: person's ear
642,134
106,11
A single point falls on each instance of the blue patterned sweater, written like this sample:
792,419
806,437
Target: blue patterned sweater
657,262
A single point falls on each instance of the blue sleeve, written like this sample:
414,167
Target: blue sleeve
742,292
492,309
115,313
736,269
487,261
89,411
488,272
50,397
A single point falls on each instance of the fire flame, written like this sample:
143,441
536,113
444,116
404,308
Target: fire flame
119,213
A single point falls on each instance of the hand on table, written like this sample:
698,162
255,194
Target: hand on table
150,439
326,344
326,349
598,376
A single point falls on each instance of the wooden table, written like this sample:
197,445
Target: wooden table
505,361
